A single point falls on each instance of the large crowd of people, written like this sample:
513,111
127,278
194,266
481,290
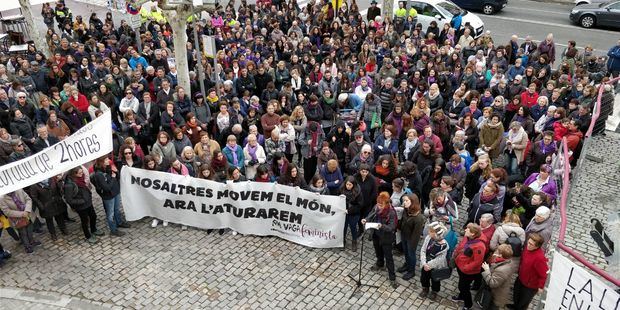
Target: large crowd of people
407,123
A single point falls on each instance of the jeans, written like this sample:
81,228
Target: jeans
383,251
427,280
113,212
351,222
513,165
410,251
88,219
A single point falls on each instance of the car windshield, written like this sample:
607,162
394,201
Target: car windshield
449,9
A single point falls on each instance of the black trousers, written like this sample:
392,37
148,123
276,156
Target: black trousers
88,219
522,295
12,232
309,168
465,281
60,220
384,256
427,281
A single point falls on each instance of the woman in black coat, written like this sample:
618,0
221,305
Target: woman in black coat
352,191
78,195
47,197
368,186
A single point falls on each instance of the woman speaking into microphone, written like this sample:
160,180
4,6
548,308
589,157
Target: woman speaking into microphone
384,234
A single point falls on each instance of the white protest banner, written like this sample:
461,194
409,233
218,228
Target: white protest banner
572,287
90,142
264,209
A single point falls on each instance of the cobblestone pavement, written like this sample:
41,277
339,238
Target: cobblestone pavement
170,268
594,194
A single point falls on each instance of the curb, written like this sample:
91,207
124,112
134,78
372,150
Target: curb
51,299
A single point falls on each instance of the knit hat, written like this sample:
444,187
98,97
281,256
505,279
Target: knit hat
440,229
358,134
543,212
198,95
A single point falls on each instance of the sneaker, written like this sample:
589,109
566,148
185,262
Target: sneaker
92,240
424,292
165,223
376,267
393,284
183,227
6,254
64,232
124,225
98,233
154,223
117,233
432,296
457,298
408,275
35,243
402,269
221,231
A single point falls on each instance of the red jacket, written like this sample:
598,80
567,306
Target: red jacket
559,131
529,100
487,235
572,140
470,264
81,104
533,268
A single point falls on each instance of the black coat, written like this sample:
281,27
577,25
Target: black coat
106,186
79,198
387,233
48,199
23,127
40,145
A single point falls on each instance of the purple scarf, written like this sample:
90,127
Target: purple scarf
21,206
453,169
546,149
252,151
234,154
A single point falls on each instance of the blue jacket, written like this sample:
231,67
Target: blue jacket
514,71
331,178
380,142
229,156
613,64
537,112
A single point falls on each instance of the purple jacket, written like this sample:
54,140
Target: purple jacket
549,188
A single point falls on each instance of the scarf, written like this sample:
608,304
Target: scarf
315,138
382,171
80,182
21,206
218,165
494,126
453,169
252,151
485,198
512,136
365,89
234,154
546,149
409,145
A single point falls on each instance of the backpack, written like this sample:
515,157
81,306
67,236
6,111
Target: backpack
514,241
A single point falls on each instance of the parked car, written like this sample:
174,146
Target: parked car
601,14
487,7
580,2
442,12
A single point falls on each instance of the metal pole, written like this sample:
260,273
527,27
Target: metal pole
201,74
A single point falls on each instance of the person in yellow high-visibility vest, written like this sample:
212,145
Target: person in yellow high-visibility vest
336,4
400,12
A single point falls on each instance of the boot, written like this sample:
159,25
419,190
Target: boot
408,275
402,268
54,237
424,292
432,296
354,245
63,231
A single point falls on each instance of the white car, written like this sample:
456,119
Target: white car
442,12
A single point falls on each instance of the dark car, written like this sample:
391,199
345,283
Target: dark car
485,6
600,14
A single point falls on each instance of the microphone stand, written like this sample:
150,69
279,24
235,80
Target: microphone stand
358,281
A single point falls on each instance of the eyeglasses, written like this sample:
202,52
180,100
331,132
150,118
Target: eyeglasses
365,152
21,97
20,145
127,153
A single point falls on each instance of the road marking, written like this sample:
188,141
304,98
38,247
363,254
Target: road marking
529,21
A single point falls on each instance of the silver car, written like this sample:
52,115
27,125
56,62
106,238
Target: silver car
580,2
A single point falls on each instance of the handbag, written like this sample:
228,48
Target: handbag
484,297
441,274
